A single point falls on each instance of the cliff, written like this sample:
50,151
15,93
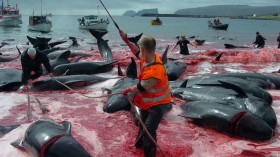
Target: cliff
141,12
229,10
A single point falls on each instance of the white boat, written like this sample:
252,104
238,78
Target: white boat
93,22
39,23
9,16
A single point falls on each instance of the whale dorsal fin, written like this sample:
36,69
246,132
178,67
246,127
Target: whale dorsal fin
164,55
67,127
120,73
234,87
65,55
184,84
18,143
131,70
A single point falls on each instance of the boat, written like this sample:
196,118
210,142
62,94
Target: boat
218,26
93,22
9,16
39,23
157,21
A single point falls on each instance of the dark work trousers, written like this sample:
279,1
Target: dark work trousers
184,53
38,73
151,118
260,46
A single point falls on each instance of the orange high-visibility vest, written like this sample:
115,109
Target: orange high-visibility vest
160,93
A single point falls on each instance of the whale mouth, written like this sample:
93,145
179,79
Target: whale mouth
235,121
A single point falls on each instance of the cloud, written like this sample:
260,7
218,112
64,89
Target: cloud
118,7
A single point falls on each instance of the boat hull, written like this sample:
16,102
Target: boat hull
98,26
10,20
155,22
44,27
219,26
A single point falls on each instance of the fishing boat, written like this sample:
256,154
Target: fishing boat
93,21
218,26
9,16
157,21
39,23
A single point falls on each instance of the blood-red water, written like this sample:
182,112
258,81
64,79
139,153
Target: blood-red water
104,134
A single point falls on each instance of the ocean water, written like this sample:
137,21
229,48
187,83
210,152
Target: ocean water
240,31
103,134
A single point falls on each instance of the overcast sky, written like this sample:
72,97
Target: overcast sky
118,7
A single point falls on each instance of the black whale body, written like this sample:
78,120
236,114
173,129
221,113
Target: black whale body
45,138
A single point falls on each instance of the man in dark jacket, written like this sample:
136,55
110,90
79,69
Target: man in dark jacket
259,41
31,61
278,40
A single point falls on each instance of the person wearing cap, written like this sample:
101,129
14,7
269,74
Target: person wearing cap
259,41
152,93
183,42
278,40
31,61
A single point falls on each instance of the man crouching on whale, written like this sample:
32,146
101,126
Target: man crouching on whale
45,138
31,61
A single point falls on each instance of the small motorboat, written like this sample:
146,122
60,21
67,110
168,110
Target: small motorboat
218,26
157,21
93,22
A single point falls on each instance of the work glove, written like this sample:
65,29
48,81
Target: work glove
125,91
29,82
129,89
23,88
51,74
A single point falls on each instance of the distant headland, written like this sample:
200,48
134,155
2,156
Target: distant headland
228,11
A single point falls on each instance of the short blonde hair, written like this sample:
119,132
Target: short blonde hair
148,43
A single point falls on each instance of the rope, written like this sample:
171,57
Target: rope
81,93
130,101
144,127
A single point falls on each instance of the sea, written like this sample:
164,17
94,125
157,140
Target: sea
113,134
239,31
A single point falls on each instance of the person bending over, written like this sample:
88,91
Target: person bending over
31,62
278,40
152,93
183,42
259,41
